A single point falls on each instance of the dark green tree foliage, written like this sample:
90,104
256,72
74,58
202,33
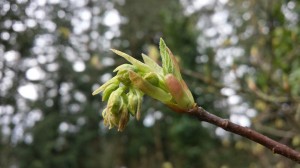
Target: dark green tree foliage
43,38
268,32
146,25
68,43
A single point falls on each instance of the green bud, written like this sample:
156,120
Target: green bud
114,105
135,99
138,64
108,90
115,102
162,83
124,78
152,64
139,95
106,84
152,78
132,102
148,88
179,91
125,67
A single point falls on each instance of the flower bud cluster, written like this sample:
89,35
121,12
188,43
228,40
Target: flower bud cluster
124,92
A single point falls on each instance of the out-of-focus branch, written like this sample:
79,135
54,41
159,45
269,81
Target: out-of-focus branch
202,78
246,132
258,93
275,132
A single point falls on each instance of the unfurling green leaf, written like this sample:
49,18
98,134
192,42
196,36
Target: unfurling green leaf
169,62
152,64
101,88
148,88
141,66
152,78
124,68
166,60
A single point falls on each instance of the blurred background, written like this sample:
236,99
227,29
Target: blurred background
240,59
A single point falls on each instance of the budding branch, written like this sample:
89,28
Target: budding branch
274,146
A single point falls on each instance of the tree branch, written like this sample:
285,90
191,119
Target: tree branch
246,132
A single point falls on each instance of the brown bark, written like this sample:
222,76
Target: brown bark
246,132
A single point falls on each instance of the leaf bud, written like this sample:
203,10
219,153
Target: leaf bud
132,102
115,102
148,88
108,90
152,78
179,92
124,78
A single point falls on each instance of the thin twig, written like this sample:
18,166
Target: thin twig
246,132
275,132
258,93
